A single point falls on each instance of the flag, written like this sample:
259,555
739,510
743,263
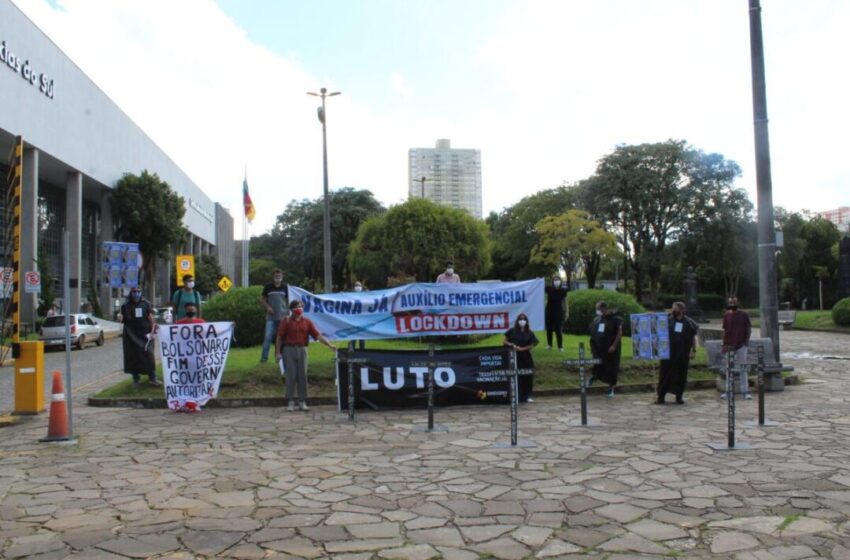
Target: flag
250,211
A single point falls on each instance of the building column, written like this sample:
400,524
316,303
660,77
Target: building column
107,302
29,231
74,225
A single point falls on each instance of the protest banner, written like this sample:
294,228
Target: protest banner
650,336
398,379
193,359
415,310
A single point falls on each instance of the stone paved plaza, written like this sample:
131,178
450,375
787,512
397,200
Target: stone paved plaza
264,483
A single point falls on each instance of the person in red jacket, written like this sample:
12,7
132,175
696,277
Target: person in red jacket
293,336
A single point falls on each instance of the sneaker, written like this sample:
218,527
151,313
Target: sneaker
748,397
291,407
680,400
154,383
303,406
610,393
723,396
136,383
548,348
529,399
560,350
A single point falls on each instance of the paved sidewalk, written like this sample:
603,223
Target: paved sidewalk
260,483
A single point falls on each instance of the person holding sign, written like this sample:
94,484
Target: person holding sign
293,336
185,294
139,327
673,376
606,330
522,339
190,315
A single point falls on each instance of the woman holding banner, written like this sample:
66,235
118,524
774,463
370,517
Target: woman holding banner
522,339
293,336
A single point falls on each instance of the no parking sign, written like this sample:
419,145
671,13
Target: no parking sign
185,265
32,282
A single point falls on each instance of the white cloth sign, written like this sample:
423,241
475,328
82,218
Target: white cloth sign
678,327
193,359
416,310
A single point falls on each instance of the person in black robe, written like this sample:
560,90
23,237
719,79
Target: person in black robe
139,327
673,375
556,297
606,330
521,338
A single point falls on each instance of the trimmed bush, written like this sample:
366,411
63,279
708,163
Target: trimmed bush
841,312
583,308
242,306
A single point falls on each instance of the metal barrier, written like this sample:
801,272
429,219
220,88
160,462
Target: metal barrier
730,408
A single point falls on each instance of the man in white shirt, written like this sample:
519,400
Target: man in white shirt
449,276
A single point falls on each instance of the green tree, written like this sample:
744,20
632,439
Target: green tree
149,213
415,239
513,232
648,193
260,272
818,263
295,243
207,274
571,241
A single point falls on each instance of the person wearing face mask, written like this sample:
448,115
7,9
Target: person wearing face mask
275,301
521,338
606,331
736,336
556,297
183,295
673,375
449,276
293,336
139,327
191,315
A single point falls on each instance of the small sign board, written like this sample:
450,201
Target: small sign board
185,265
225,283
7,281
32,282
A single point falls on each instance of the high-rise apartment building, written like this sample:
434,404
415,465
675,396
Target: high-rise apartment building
838,216
446,176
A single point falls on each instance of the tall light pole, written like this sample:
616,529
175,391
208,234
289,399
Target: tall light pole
326,229
422,180
768,297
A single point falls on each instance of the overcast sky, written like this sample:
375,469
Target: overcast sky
542,88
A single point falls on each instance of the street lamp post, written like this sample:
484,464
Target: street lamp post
326,229
422,180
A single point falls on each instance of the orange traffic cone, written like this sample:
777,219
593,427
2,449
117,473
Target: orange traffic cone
57,428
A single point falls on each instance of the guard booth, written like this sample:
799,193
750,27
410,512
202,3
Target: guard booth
29,376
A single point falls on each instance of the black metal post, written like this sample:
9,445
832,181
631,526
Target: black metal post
730,399
351,381
583,388
760,352
430,387
514,390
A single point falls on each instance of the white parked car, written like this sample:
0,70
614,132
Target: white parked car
84,330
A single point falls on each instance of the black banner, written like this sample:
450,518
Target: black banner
399,379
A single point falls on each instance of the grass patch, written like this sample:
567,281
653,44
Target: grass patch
245,377
818,321
789,519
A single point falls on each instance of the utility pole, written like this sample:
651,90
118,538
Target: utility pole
768,298
326,229
422,182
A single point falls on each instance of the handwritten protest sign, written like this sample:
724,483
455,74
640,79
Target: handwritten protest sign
193,358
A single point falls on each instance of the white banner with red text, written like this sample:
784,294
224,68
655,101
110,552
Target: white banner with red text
193,358
424,309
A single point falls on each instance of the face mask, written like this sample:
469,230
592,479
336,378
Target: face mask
190,314
733,307
298,311
358,288
135,296
450,271
190,285
557,283
599,312
522,322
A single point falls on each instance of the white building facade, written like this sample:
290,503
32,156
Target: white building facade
77,145
447,176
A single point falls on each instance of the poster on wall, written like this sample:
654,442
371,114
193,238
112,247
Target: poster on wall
120,264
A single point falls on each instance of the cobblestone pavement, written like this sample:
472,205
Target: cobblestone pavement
260,483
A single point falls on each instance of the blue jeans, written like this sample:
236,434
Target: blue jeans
268,338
